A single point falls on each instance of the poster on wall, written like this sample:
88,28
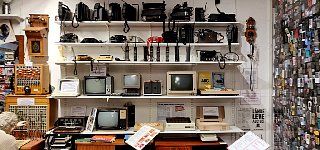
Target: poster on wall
252,119
165,110
250,97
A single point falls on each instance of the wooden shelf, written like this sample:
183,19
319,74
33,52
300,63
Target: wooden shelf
13,17
233,129
148,63
147,97
144,44
145,24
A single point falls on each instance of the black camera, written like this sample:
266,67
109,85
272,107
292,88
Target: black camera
181,12
64,12
118,39
208,55
83,12
209,36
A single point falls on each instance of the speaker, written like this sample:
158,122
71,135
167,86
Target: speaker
147,87
156,87
131,114
152,87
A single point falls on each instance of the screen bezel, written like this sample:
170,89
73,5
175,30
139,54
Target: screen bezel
187,92
131,87
94,77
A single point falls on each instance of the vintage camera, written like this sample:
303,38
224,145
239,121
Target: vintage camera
118,39
181,12
115,11
154,12
69,38
209,36
100,13
64,12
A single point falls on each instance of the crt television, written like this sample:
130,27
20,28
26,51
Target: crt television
182,83
98,85
112,119
131,81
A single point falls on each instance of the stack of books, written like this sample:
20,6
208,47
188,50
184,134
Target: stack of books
103,138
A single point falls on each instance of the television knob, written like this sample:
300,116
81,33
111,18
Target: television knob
108,90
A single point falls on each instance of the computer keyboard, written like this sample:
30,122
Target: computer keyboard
130,94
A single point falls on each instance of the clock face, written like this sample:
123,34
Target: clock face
35,46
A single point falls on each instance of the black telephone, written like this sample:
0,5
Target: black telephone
69,38
100,13
83,12
129,14
64,12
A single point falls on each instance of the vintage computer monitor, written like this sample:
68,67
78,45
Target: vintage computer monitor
131,84
98,85
68,87
182,83
112,118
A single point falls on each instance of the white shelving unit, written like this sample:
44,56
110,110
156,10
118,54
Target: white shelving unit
148,97
12,17
144,44
233,129
147,63
144,24
148,104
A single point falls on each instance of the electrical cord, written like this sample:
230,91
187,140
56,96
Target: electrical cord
126,28
72,22
251,68
75,71
221,59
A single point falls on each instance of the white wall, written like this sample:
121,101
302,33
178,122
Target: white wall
260,10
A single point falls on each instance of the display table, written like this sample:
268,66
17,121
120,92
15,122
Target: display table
188,144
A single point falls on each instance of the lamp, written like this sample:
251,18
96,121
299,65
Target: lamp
6,7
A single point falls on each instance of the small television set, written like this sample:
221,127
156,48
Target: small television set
131,81
98,85
112,119
68,87
182,83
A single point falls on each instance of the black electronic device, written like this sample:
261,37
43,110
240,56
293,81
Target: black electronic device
167,52
152,87
221,17
208,55
64,12
72,121
115,11
232,36
151,53
153,11
131,114
135,50
158,53
126,53
90,40
145,53
112,118
118,39
188,51
170,36
69,38
83,12
98,85
199,14
186,34
209,36
181,12
129,13
100,13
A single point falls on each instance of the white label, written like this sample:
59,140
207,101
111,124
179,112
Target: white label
25,101
210,111
78,110
317,80
69,87
123,114
28,64
36,90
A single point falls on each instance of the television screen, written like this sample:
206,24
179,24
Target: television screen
131,80
107,119
181,82
95,86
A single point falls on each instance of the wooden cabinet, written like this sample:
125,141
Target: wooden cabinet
43,106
